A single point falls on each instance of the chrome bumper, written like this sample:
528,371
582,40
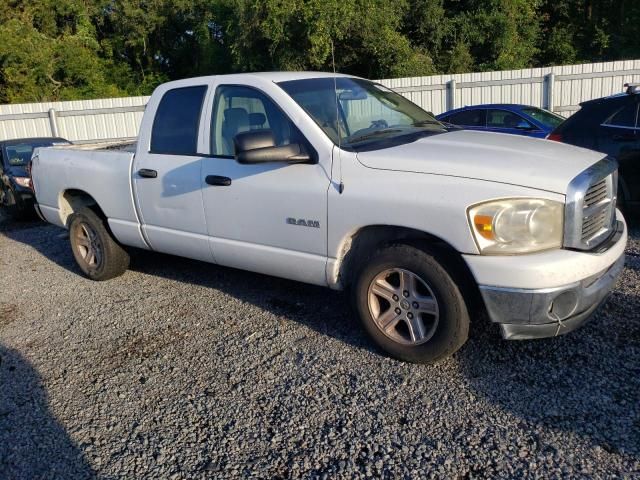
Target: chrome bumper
527,314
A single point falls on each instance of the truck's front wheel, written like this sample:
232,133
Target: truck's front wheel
410,305
98,255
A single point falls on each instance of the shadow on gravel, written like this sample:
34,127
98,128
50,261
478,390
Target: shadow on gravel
52,242
32,442
321,309
586,383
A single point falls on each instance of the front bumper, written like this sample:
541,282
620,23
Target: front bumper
524,313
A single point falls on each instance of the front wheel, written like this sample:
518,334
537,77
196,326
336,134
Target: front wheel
96,252
410,305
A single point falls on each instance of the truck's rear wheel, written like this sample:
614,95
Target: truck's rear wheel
97,254
410,306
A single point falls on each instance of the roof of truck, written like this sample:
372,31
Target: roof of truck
275,77
286,76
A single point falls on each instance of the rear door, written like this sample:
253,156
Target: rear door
167,175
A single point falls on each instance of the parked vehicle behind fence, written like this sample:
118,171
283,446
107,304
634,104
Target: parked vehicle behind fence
339,181
504,118
611,125
16,197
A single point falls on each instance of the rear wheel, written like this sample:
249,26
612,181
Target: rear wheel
96,252
410,305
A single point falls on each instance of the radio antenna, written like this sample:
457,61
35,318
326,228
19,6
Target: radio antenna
335,89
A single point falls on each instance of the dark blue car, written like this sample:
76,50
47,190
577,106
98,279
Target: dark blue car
504,118
16,196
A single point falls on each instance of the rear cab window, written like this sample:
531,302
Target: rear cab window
177,120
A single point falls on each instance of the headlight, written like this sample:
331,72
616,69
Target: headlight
23,181
521,225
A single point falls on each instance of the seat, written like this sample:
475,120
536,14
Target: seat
257,121
236,120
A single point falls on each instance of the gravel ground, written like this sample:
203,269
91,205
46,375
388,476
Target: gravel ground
180,369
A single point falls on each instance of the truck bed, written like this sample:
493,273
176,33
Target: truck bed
123,145
66,176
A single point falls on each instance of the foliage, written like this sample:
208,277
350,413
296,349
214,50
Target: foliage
70,49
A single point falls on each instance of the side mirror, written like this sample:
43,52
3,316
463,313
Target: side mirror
258,146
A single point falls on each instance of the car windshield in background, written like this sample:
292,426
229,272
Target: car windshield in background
18,155
543,116
369,113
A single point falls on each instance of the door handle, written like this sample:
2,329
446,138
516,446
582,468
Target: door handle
147,173
217,180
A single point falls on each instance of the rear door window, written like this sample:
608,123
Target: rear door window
468,118
627,117
175,127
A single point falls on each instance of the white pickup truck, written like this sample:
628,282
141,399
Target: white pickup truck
339,181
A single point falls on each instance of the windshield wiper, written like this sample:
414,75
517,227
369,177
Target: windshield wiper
375,133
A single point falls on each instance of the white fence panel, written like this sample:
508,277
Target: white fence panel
107,118
560,89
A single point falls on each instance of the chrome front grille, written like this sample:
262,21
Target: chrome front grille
596,193
593,224
591,205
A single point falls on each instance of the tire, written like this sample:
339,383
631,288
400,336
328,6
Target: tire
433,322
96,252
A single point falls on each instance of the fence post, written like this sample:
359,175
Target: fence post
451,94
53,123
550,81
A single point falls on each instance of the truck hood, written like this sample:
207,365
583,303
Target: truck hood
493,157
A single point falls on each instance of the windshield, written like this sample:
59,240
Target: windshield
545,117
19,154
368,112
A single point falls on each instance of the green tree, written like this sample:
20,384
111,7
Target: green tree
68,49
49,51
298,34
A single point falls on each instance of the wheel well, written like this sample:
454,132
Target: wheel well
368,240
71,201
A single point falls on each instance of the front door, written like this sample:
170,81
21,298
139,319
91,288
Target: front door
167,177
269,217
